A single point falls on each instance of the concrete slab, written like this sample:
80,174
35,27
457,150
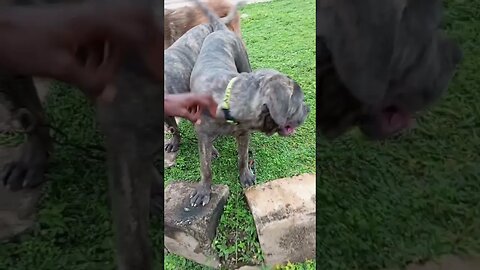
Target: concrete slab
18,210
284,214
189,231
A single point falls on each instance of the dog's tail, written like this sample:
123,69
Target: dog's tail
220,23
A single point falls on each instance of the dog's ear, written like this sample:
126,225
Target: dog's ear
278,91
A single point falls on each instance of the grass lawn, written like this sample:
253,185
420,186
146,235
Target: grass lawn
414,198
279,35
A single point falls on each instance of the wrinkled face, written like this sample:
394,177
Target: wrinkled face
285,109
411,89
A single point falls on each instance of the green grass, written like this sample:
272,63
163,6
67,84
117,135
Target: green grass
279,35
414,198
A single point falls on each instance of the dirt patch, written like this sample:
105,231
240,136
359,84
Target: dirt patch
294,241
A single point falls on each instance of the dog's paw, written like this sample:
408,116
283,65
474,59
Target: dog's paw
215,154
201,196
247,178
28,170
172,145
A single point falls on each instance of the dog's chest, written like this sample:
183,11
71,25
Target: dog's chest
216,129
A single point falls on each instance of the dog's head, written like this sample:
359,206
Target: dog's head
376,71
283,104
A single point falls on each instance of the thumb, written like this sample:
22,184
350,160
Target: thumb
207,102
184,113
71,71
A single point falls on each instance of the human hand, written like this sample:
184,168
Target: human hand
189,106
79,44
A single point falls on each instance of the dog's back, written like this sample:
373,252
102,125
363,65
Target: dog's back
178,21
183,53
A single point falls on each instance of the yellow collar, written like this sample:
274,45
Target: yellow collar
226,102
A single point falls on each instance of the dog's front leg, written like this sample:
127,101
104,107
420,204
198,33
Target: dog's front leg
28,170
132,124
201,195
130,177
247,178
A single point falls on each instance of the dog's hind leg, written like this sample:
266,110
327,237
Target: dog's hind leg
173,144
28,170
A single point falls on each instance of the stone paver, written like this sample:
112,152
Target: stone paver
189,231
284,214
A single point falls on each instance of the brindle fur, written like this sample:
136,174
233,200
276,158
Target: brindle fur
132,124
181,58
263,100
178,21
377,58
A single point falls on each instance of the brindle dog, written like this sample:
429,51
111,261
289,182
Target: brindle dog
181,57
261,100
132,124
178,21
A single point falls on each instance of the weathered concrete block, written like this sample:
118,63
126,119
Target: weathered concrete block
284,214
189,231
18,210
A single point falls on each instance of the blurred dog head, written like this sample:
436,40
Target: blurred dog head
178,21
379,63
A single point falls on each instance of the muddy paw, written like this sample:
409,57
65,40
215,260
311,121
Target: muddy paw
215,154
172,145
28,170
247,179
201,196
